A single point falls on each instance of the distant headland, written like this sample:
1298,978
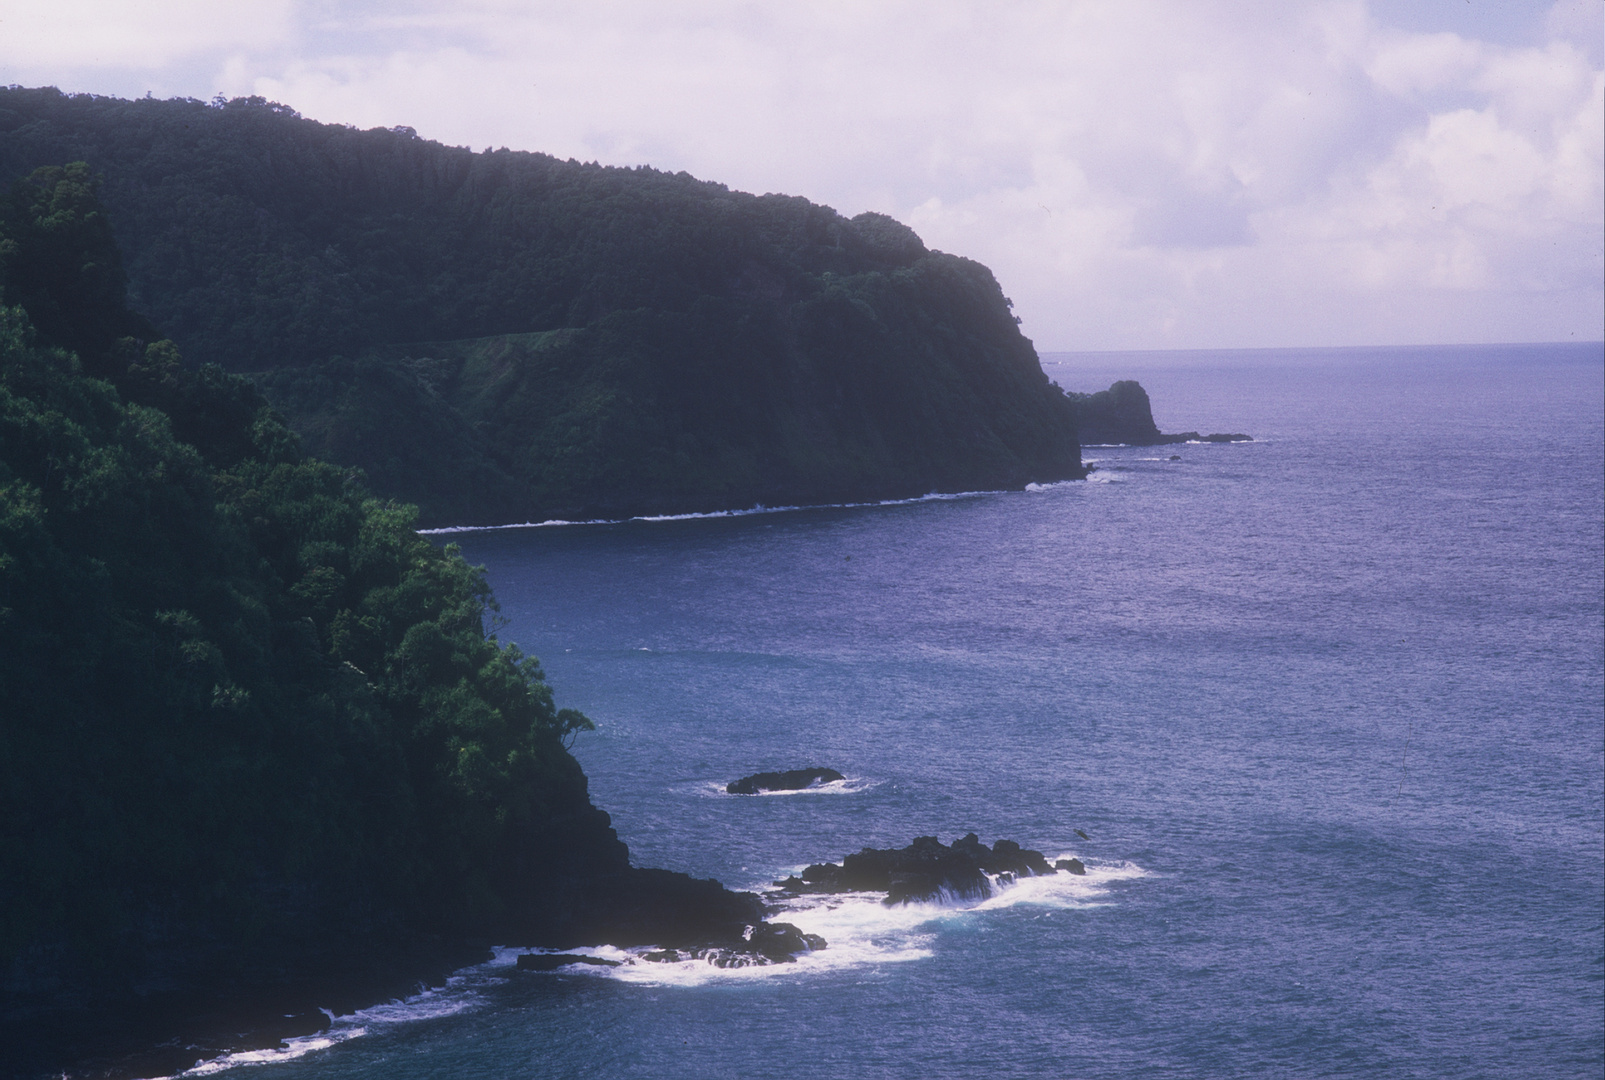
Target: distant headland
507,336
1122,415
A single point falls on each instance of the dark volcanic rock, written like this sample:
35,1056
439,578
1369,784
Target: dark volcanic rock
685,917
1123,414
1120,414
1193,436
791,780
1072,866
770,943
782,941
925,870
550,962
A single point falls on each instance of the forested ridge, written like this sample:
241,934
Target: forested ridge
505,336
258,751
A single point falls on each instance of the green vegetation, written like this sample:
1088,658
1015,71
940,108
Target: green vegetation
252,722
504,336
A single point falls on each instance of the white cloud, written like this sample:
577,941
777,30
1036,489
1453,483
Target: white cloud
140,34
1138,173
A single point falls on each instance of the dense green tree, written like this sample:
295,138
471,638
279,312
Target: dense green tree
62,263
253,724
523,337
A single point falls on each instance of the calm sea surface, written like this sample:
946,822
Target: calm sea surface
1329,706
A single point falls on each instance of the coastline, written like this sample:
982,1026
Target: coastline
935,496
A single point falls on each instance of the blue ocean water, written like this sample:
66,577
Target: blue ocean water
1330,707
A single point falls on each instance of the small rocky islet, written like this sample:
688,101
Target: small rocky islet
789,780
1123,416
928,870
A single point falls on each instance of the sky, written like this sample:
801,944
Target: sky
1139,174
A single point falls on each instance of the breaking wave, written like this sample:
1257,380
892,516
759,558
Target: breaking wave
460,993
935,496
859,929
862,931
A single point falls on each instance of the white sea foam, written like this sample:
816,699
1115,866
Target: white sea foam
850,785
935,496
860,931
292,1049
459,993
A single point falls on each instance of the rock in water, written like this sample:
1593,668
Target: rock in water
1123,414
550,962
1120,414
1073,866
764,944
925,870
792,780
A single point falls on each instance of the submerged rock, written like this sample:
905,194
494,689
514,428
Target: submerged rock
925,870
791,780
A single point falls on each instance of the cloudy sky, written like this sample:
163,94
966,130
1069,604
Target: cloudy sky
1139,173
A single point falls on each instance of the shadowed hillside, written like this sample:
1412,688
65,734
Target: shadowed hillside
504,335
259,755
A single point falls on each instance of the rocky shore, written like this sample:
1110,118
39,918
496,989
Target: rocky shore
563,907
928,870
682,918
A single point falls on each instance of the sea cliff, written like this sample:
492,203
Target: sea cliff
260,752
503,336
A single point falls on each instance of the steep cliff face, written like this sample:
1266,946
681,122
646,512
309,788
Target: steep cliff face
258,753
572,339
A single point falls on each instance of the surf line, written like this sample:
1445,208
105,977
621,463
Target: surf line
935,496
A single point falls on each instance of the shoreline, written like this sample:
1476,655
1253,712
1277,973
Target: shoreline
755,510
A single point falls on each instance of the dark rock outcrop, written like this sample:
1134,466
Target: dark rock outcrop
925,870
790,780
685,917
770,943
553,961
573,891
1123,415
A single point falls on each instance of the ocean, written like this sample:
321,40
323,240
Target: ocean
1329,708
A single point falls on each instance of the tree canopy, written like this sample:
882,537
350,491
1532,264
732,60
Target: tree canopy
253,722
556,339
